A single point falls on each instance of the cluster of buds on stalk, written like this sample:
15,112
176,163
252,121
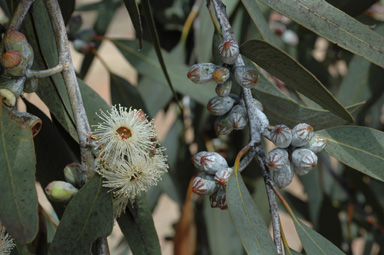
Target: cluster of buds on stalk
16,61
212,178
296,152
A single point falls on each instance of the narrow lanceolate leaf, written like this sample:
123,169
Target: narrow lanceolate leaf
281,65
145,63
285,110
334,25
248,222
134,13
87,217
156,43
18,199
358,147
138,228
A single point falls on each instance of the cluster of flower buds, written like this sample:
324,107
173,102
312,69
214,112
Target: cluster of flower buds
61,191
16,61
296,152
212,178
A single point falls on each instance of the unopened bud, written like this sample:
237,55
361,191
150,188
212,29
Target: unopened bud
303,161
283,177
221,74
277,159
262,118
229,51
301,134
223,126
204,184
14,63
224,89
72,173
209,162
246,77
222,176
201,73
317,143
281,136
16,41
60,191
238,117
220,105
221,199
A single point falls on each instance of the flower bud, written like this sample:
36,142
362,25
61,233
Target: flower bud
229,51
303,160
277,159
11,90
209,162
223,126
60,191
281,136
220,105
246,77
224,89
222,176
221,74
15,40
238,117
201,73
31,85
212,200
83,46
221,199
14,63
301,134
72,173
262,118
283,177
316,144
204,184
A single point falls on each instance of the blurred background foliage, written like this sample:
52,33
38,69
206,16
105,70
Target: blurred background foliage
334,43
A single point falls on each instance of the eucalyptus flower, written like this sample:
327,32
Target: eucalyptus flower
6,242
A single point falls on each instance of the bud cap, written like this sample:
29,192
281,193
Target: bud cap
201,73
317,143
281,136
283,177
222,176
221,74
223,126
277,159
229,52
209,162
303,160
238,117
246,77
204,184
60,191
220,105
301,134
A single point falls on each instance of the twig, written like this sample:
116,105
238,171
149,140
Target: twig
44,73
254,126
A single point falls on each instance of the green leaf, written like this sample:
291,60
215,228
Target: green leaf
138,228
352,7
285,110
334,25
145,64
87,217
134,14
248,222
124,93
358,147
281,65
329,222
67,7
18,199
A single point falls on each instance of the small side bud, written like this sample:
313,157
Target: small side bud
212,200
221,199
222,176
229,52
60,191
221,74
238,117
301,134
303,161
277,159
72,173
223,126
262,118
283,177
317,143
201,73
224,89
209,162
281,136
220,105
246,77
204,184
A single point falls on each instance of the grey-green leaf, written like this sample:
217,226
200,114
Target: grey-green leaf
134,14
361,148
281,65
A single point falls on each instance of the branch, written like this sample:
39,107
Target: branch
254,127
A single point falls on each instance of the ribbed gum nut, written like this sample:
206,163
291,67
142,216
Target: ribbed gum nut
222,126
221,199
238,117
15,40
256,103
229,52
60,191
246,77
201,73
31,85
72,174
303,161
283,177
222,176
281,136
220,105
277,159
204,185
209,162
13,37
11,90
317,143
33,122
262,118
221,74
224,89
301,134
